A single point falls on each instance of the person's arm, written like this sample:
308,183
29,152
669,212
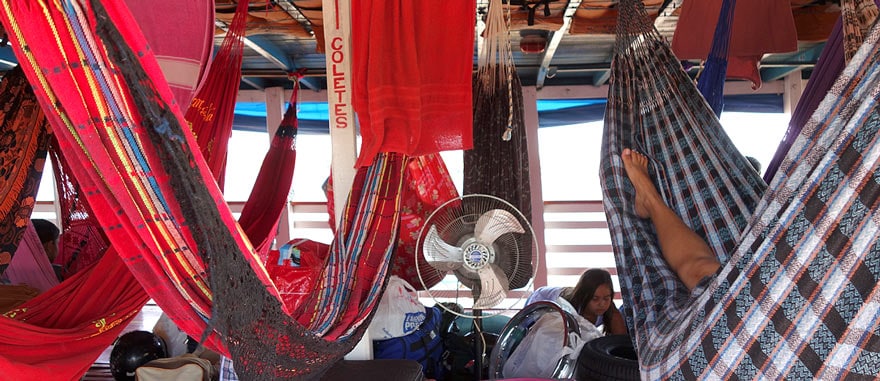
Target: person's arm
616,325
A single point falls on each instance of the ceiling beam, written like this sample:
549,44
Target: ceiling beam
774,73
601,78
256,83
601,92
553,44
773,69
295,13
271,53
667,19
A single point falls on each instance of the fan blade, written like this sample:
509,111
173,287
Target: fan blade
494,224
493,287
439,254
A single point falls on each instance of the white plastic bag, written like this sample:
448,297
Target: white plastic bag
399,312
540,351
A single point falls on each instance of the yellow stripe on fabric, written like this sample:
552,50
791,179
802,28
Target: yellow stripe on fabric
149,201
148,207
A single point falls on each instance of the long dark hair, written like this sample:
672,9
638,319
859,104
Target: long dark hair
46,230
583,292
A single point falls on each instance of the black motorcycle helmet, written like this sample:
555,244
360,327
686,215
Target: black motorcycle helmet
132,350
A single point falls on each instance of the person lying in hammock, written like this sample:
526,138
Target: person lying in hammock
687,253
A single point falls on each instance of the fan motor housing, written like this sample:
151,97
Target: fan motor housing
477,255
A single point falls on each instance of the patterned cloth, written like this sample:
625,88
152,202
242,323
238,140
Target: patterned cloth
827,69
23,145
797,294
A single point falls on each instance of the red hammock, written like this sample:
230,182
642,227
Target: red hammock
260,214
211,112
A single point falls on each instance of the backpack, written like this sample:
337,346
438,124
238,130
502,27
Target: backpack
459,340
425,345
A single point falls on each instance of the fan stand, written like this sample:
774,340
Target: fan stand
478,345
461,236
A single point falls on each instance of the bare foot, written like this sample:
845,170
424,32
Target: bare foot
636,166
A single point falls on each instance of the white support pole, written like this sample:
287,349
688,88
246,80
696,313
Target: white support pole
343,134
530,116
794,88
275,105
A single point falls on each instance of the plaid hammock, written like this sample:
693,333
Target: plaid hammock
149,192
856,13
796,296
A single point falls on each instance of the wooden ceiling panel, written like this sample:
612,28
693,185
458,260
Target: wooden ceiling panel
536,14
312,11
814,20
600,16
263,18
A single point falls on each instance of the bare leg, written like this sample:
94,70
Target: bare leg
687,253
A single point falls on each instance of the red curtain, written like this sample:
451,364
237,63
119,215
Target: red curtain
759,27
412,63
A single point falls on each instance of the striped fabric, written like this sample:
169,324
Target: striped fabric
827,69
272,347
154,198
796,297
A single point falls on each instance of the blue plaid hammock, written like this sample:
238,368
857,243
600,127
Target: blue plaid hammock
796,296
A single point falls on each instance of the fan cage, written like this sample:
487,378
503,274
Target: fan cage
515,253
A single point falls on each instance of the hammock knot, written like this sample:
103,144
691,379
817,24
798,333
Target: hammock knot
296,76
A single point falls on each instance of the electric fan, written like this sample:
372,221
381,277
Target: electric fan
487,243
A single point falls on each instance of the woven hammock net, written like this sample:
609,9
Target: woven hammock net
713,76
82,243
796,295
498,164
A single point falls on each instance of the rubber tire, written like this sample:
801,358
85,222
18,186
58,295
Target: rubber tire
608,358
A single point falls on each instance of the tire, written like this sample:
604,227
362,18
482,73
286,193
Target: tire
608,358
